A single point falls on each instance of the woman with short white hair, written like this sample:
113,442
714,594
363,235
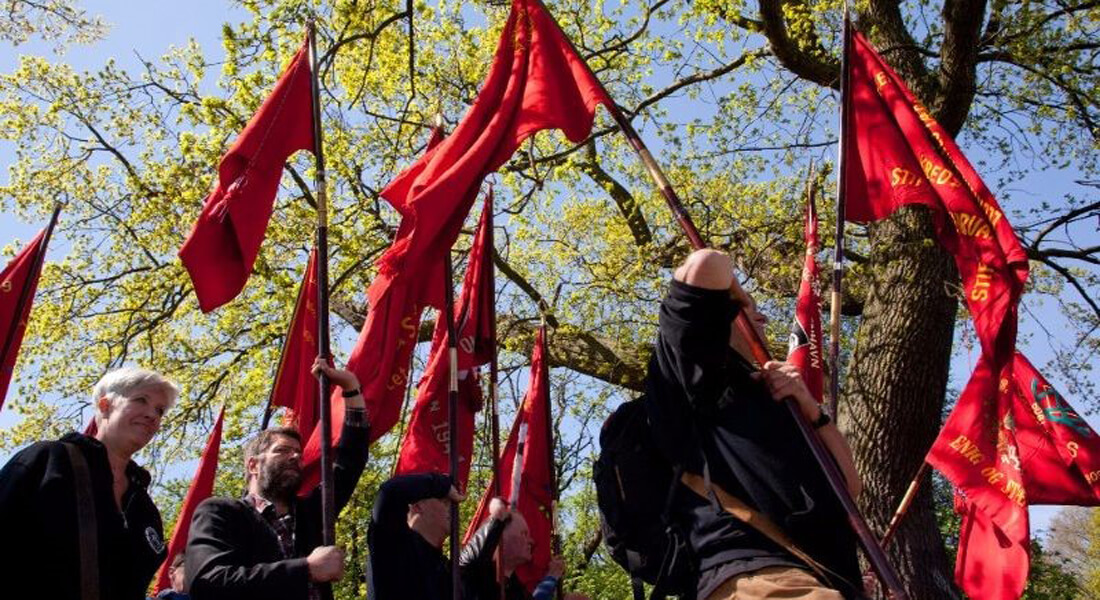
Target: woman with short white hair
76,516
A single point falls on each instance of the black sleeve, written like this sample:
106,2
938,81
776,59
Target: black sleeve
687,373
391,504
693,342
478,554
216,563
352,452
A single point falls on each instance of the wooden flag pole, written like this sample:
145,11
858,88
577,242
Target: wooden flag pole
867,540
841,196
452,418
494,373
324,351
903,506
545,366
25,292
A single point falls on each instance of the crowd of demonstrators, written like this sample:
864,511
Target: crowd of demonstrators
504,540
84,503
75,513
267,545
718,412
410,522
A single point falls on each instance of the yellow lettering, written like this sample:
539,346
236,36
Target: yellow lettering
1092,477
880,79
937,173
1040,416
1072,447
979,288
900,176
992,475
1015,492
5,286
397,379
968,449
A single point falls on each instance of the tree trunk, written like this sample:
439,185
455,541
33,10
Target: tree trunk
895,389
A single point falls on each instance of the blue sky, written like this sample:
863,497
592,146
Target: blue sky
149,28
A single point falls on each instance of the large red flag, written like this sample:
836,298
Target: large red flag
226,239
18,283
380,358
901,155
1040,452
295,387
202,486
804,347
536,82
426,446
532,439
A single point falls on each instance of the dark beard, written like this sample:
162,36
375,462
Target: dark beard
280,483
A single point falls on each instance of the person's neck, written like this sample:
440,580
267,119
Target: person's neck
436,539
282,506
118,460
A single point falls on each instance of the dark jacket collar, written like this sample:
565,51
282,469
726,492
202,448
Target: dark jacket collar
94,447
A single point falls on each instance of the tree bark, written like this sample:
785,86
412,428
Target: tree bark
895,387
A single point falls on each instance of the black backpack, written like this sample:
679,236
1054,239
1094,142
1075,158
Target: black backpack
635,488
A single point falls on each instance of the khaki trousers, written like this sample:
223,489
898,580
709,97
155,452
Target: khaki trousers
774,582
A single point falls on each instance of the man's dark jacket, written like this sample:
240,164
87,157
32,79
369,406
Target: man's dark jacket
703,403
232,552
402,564
38,524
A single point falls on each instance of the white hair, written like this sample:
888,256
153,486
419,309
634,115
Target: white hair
129,381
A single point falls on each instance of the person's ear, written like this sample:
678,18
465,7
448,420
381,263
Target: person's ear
103,405
252,467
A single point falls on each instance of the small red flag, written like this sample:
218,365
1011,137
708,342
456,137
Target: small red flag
226,239
202,486
426,447
804,347
295,387
1039,451
536,82
532,439
18,283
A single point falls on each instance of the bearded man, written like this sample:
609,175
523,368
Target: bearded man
267,545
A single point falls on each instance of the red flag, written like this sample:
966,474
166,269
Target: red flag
532,440
1040,452
990,563
902,156
536,82
91,428
18,283
295,387
225,241
426,446
380,358
804,347
202,486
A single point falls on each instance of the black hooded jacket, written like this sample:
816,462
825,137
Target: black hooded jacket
38,523
702,396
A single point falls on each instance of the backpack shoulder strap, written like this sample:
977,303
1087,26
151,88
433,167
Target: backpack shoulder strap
755,519
86,524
